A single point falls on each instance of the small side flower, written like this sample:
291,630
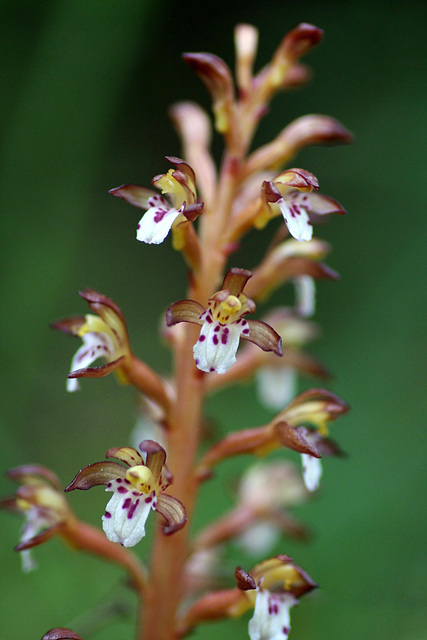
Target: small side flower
104,336
137,489
40,500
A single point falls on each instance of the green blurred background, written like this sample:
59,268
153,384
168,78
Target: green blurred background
86,88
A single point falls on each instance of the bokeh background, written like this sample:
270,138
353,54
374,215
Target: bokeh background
85,91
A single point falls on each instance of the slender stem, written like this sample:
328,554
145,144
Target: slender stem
170,552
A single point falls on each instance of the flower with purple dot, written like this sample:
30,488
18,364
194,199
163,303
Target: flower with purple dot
137,489
223,324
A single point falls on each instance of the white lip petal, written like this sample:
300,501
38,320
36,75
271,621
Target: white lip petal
126,514
297,220
271,619
311,471
216,348
155,224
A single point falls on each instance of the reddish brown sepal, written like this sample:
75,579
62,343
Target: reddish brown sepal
95,474
245,582
45,535
300,40
97,372
294,438
60,633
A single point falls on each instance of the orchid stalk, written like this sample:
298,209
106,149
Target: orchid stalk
205,212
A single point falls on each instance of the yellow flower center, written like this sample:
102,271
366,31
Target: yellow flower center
141,478
227,310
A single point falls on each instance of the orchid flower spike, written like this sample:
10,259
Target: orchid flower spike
223,324
137,489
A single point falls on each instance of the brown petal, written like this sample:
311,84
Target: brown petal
235,280
322,205
97,301
294,438
183,166
95,474
135,195
184,311
97,372
264,336
156,457
173,512
70,326
300,40
128,455
244,580
60,633
26,473
40,538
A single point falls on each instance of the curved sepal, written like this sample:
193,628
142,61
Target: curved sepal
264,336
173,512
95,474
128,455
97,372
184,311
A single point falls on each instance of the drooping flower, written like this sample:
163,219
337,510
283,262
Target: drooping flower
223,324
41,501
164,214
302,426
137,489
309,416
293,193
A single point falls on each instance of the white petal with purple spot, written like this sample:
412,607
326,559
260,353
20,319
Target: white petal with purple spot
156,223
126,513
297,220
95,345
271,619
217,345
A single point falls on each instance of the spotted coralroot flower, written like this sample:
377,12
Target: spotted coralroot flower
293,193
41,501
104,336
223,324
273,587
304,424
162,214
137,488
